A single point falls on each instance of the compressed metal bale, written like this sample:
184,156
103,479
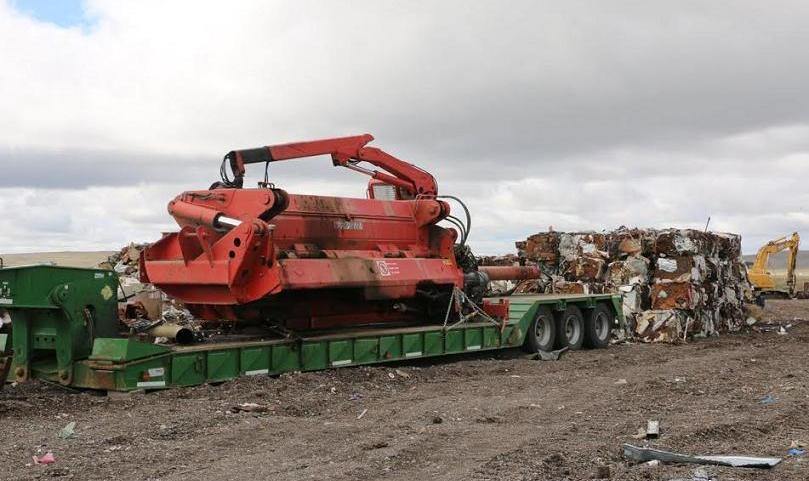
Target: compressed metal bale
566,287
632,270
681,268
532,286
667,325
631,303
698,274
627,242
543,246
729,246
572,245
584,268
675,295
674,242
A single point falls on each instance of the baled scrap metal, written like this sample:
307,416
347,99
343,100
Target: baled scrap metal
633,297
565,287
585,268
681,269
624,241
667,325
729,246
630,271
578,244
579,287
672,242
676,295
699,275
542,247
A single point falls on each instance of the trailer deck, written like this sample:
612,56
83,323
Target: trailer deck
56,311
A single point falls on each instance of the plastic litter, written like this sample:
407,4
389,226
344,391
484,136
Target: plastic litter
46,458
768,399
69,431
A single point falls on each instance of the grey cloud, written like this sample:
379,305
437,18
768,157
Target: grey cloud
579,114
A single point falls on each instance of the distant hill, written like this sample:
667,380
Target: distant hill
68,259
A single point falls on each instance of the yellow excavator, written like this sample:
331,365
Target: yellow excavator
762,279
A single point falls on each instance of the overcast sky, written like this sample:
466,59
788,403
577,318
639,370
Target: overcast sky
580,115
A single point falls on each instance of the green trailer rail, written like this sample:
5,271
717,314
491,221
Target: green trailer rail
64,330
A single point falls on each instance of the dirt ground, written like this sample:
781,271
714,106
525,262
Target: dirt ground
484,417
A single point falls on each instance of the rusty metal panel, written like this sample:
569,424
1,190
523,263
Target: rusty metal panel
675,295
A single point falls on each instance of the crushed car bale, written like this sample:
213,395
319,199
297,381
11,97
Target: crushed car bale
675,283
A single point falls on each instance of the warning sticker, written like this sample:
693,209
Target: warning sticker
387,268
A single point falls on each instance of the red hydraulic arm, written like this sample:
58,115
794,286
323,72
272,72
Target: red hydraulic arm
345,152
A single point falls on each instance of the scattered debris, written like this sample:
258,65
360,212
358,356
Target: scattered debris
250,408
652,429
794,452
621,381
69,431
46,458
640,455
549,355
403,374
362,413
768,399
437,420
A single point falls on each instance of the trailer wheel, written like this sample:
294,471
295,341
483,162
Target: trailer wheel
541,334
570,328
597,327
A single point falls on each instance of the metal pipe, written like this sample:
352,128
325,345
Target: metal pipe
511,273
180,334
225,221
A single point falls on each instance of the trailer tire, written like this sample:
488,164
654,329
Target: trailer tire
570,328
541,334
597,326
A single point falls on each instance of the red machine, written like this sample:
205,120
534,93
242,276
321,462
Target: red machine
308,262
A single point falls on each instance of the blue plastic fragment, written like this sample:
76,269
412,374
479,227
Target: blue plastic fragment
768,399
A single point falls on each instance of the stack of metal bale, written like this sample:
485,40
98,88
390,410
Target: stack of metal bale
674,282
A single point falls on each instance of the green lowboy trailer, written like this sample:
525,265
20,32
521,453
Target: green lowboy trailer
65,329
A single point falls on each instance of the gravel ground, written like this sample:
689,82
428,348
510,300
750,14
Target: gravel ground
482,417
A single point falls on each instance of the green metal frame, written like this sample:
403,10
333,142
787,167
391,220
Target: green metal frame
56,312
44,304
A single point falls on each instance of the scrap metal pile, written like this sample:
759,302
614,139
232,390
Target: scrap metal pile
675,282
143,307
